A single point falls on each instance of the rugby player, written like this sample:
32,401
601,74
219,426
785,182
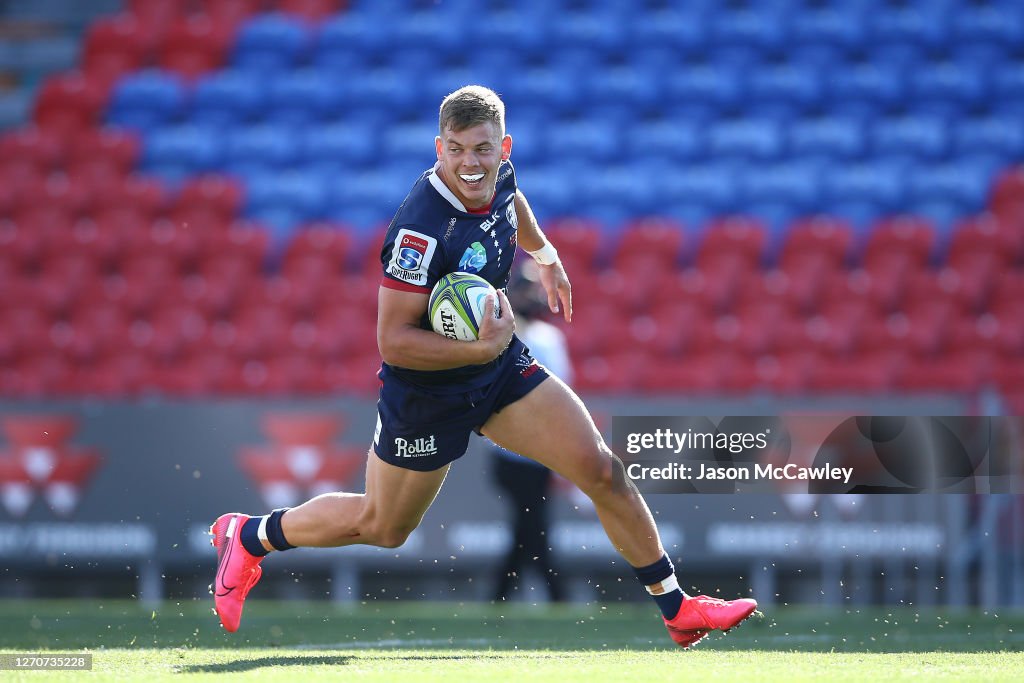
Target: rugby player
465,214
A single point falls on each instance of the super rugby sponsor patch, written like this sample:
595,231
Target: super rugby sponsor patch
411,256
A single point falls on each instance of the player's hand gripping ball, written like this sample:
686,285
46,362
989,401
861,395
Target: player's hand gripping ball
456,306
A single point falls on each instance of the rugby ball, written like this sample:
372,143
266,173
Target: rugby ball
456,305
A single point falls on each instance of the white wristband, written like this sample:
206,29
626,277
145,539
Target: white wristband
546,255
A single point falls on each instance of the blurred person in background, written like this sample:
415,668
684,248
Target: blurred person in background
528,483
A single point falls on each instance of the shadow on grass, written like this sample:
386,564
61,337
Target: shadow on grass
321,660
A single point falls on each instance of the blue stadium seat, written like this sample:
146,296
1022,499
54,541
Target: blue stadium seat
924,24
409,140
587,138
744,139
763,30
555,86
517,29
860,215
425,29
833,136
715,86
713,185
271,145
183,149
547,190
1009,82
923,137
879,183
306,96
833,25
350,39
626,185
229,98
615,84
956,182
793,184
147,100
303,194
392,93
874,84
379,190
959,85
337,145
990,25
593,28
271,42
796,86
684,34
665,139
996,135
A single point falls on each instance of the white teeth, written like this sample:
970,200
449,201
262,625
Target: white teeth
472,178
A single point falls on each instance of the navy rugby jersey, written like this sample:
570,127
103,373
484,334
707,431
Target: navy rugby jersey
433,234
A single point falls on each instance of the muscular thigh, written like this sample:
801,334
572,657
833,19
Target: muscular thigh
399,497
552,426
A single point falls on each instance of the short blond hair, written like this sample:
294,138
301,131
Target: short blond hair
470,106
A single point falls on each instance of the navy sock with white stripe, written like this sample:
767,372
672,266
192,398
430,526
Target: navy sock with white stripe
661,576
268,527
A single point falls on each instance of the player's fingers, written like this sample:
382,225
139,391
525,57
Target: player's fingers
489,307
565,294
504,307
553,297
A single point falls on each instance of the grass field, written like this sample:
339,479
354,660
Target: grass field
454,642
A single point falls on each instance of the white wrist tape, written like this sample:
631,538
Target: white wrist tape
546,255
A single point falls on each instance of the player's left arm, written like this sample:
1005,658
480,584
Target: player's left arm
552,273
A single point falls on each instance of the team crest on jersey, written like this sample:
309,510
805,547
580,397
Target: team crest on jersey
411,256
510,214
473,259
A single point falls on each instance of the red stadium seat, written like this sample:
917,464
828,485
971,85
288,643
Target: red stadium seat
962,373
156,17
208,204
136,201
909,236
332,241
230,13
986,234
194,45
859,374
580,243
739,239
1007,197
118,149
817,238
34,148
68,104
614,373
649,243
311,10
995,333
115,46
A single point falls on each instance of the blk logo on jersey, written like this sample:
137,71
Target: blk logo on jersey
410,257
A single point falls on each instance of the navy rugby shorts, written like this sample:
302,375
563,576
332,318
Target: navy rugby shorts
423,431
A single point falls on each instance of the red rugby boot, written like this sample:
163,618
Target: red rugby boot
237,570
700,614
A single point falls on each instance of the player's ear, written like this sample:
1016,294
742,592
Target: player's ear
506,147
438,146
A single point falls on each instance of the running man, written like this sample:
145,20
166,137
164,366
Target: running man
465,214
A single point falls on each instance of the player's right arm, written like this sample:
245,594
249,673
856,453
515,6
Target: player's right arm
403,343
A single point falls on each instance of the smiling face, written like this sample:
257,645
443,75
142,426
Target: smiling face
469,162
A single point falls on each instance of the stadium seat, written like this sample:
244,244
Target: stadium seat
830,26
795,184
310,10
230,13
819,237
960,86
997,135
147,100
193,46
68,104
879,183
305,97
707,88
737,239
664,139
744,139
155,17
911,136
118,148
115,46
32,149
796,88
179,151
682,34
865,87
901,235
712,185
229,98
924,25
271,43
207,203
998,25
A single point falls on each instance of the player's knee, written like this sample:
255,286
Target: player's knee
603,475
390,535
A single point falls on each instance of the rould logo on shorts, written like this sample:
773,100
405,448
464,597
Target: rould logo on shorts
416,448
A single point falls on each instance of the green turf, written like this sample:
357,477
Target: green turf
456,642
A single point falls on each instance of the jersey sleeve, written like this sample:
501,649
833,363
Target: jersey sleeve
413,259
